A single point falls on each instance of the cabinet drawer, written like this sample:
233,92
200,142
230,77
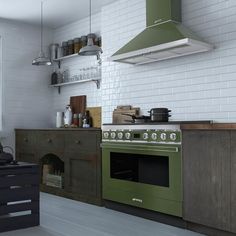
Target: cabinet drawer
144,200
50,140
83,141
25,140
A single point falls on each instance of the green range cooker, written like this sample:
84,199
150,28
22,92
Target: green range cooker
141,166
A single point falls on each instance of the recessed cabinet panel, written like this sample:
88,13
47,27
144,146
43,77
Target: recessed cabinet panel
206,162
83,176
233,181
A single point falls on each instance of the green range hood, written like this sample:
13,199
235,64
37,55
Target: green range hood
164,37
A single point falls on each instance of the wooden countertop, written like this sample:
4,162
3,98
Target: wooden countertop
63,129
213,126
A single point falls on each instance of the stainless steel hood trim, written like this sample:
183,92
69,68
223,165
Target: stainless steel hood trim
203,47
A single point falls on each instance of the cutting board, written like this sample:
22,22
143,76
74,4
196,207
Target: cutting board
119,118
96,114
78,104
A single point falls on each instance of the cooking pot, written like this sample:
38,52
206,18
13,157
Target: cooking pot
160,117
159,110
138,119
160,114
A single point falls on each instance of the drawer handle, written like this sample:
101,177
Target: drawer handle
137,200
49,140
77,141
26,140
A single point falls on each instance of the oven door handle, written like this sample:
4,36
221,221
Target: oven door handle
159,149
142,148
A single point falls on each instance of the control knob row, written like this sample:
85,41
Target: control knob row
127,135
113,135
173,136
120,135
163,136
106,135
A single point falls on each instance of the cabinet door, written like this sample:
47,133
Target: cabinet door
206,165
233,181
81,173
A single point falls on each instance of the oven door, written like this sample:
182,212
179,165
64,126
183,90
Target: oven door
143,175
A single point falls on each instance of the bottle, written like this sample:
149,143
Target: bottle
75,120
86,120
65,76
59,77
80,116
67,116
54,78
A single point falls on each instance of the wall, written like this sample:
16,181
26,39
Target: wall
76,66
195,87
26,94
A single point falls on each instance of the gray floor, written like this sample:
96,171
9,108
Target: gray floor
64,217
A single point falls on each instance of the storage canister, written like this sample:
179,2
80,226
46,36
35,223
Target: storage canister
65,48
92,36
77,45
100,41
59,119
59,52
83,41
71,47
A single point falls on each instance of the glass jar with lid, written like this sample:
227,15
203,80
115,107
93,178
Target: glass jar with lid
77,45
70,47
92,36
83,41
65,48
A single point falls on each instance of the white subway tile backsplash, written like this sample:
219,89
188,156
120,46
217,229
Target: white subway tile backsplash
26,95
194,87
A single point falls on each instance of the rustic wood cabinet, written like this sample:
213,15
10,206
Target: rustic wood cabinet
78,150
233,181
209,164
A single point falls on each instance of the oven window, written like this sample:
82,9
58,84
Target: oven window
140,168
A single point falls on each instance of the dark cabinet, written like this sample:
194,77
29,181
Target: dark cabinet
83,168
209,192
233,181
78,150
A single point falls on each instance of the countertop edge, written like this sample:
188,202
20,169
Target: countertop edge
59,129
214,126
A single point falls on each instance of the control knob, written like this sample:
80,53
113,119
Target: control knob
173,136
127,135
154,136
106,135
145,136
163,136
120,135
113,135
